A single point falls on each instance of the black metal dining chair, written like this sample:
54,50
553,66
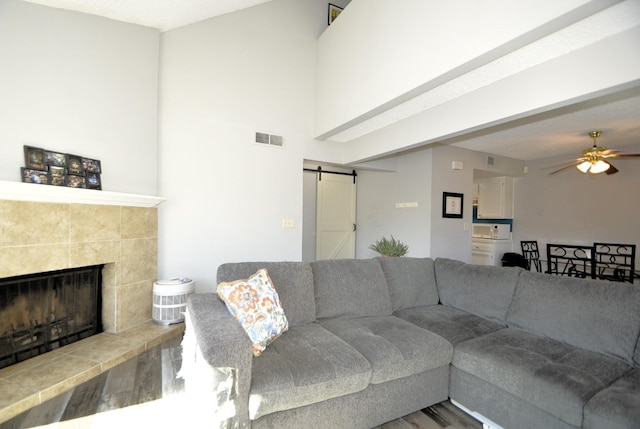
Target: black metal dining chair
532,254
570,260
614,262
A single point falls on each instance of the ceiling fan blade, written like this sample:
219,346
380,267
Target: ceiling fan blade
563,163
612,169
573,164
608,152
625,155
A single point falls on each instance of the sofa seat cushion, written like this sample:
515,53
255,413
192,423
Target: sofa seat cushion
394,347
448,322
307,364
553,376
617,406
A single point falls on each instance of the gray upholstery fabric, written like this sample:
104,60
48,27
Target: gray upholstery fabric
394,347
223,343
293,282
478,289
377,404
411,281
553,376
617,406
347,288
595,315
507,410
448,322
306,364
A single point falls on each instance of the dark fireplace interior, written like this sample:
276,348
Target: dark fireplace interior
42,312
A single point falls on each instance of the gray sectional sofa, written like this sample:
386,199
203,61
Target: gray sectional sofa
373,340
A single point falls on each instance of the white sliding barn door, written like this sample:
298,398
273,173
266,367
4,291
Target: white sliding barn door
336,217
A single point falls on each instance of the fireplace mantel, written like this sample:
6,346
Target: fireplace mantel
19,191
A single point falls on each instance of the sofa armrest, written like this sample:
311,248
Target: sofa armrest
221,347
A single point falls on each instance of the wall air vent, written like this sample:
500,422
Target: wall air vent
491,160
269,139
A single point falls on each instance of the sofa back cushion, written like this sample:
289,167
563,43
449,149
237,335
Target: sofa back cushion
411,282
482,290
292,280
348,288
596,315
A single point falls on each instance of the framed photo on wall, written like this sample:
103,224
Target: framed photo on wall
91,165
452,205
334,11
34,158
29,175
93,181
74,165
55,159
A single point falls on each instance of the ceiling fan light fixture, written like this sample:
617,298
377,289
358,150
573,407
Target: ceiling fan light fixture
595,160
599,167
584,166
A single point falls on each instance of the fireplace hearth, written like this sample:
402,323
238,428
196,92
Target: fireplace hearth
42,312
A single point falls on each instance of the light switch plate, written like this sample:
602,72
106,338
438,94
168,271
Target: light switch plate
288,223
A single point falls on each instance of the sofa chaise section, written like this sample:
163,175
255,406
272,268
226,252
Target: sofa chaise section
568,339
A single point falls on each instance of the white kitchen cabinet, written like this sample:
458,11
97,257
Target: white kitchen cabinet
489,252
495,198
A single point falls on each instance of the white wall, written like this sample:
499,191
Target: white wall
77,83
422,176
389,54
377,215
574,208
449,238
221,81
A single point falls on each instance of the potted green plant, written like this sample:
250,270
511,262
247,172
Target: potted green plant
392,247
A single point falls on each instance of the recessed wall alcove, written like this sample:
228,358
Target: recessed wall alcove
47,228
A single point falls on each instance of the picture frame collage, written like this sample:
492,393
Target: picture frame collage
46,167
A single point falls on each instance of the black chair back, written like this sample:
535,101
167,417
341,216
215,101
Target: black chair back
570,260
532,254
615,262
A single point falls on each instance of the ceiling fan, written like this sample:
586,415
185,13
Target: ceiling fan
595,159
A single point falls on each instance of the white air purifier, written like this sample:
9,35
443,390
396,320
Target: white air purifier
170,300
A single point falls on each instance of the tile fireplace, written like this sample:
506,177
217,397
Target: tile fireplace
40,234
50,228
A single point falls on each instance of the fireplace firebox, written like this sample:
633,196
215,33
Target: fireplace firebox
42,312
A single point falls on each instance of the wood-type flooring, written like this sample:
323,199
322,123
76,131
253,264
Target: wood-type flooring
145,392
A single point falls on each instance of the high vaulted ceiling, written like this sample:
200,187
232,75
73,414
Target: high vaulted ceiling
161,14
562,132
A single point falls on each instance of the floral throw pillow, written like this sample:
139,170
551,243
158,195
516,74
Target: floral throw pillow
254,303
